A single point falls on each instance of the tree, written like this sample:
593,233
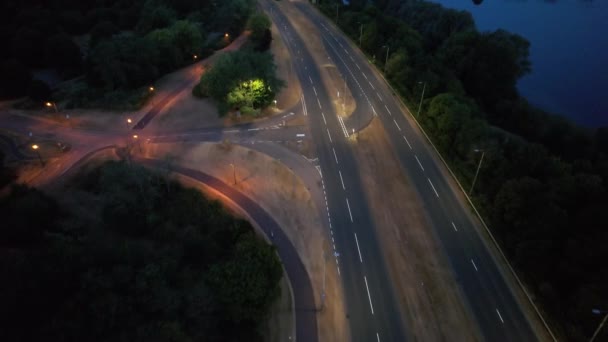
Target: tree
155,15
61,52
39,91
259,24
102,30
240,78
16,79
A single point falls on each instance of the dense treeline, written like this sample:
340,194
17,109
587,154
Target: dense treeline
118,44
542,185
127,255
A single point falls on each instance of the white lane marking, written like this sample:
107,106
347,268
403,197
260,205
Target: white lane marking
389,112
397,124
335,155
304,109
253,129
364,75
300,135
231,131
324,118
432,186
418,160
500,316
341,180
349,212
329,136
408,142
358,66
453,225
319,102
370,83
315,90
338,269
379,97
368,295
374,110
358,250
474,266
344,130
378,337
310,79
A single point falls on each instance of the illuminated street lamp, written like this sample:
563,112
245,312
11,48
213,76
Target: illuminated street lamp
275,102
136,137
597,331
129,121
151,88
195,57
52,104
478,167
226,35
35,148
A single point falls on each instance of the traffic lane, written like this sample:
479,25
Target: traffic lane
494,282
280,134
305,310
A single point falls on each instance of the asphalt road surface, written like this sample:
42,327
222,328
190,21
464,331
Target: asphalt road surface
493,304
370,300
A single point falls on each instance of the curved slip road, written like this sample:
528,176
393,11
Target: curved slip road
305,310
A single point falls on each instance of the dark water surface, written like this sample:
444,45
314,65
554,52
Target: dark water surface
569,51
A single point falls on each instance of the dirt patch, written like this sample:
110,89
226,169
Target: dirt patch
426,289
280,192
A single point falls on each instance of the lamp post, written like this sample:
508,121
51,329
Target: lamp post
151,88
233,173
597,331
136,137
478,167
421,98
360,35
129,121
35,148
386,59
52,104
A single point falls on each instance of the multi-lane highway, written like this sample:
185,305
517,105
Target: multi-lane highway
370,300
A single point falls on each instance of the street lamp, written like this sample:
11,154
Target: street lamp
360,35
129,121
275,103
421,98
136,137
386,59
233,173
151,88
35,148
597,331
52,104
195,57
478,167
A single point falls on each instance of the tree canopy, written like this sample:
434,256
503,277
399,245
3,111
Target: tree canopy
125,254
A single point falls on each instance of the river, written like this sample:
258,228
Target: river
569,51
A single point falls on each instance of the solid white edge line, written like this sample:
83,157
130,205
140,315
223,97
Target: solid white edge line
358,250
349,212
341,180
474,266
432,186
368,295
419,164
453,225
500,316
335,155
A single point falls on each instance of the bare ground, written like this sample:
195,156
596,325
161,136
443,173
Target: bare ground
427,291
279,191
